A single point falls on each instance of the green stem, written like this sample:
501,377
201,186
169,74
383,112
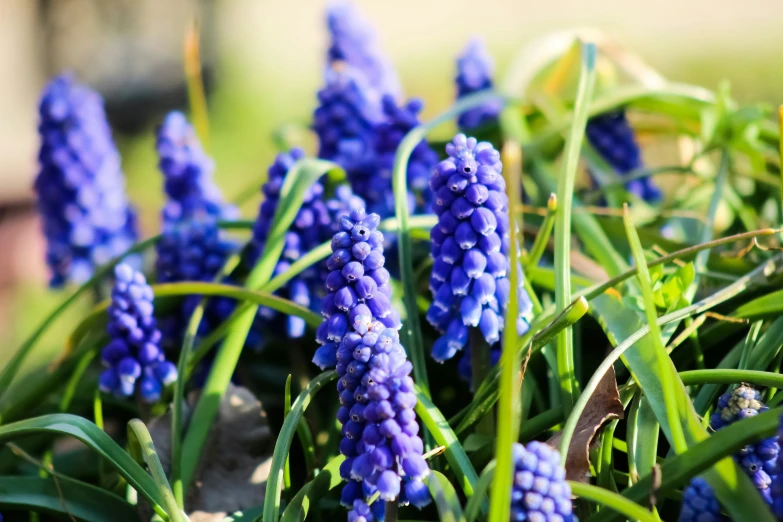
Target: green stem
480,363
544,233
97,411
613,501
565,193
669,393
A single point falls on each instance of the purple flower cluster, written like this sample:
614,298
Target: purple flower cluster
359,337
540,492
699,503
305,233
192,251
80,186
759,460
362,134
470,245
614,139
777,485
133,357
187,170
316,222
475,72
354,42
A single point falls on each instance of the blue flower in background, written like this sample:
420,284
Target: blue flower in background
193,250
314,223
614,139
469,246
699,503
134,359
540,492
475,73
353,41
359,121
759,460
399,120
80,186
187,171
359,337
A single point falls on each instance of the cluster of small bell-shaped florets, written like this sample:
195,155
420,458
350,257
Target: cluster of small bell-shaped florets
777,484
361,512
305,233
380,434
187,170
194,250
345,122
398,121
759,460
80,187
133,357
699,503
470,246
354,42
356,277
540,491
614,139
359,337
475,73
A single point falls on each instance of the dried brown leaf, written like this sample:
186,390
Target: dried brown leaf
604,405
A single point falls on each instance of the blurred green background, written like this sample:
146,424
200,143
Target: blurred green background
263,63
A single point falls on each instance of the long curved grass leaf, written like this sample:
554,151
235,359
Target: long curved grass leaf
300,178
613,501
328,479
63,498
473,506
283,445
437,425
142,449
88,433
445,497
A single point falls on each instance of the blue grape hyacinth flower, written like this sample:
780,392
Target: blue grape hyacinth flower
699,503
475,73
469,246
614,139
134,359
193,250
362,134
777,484
353,41
539,492
359,337
758,460
80,186
187,171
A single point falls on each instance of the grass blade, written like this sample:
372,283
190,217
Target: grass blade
62,497
613,501
142,449
283,445
669,393
437,425
301,176
445,497
88,433
565,194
